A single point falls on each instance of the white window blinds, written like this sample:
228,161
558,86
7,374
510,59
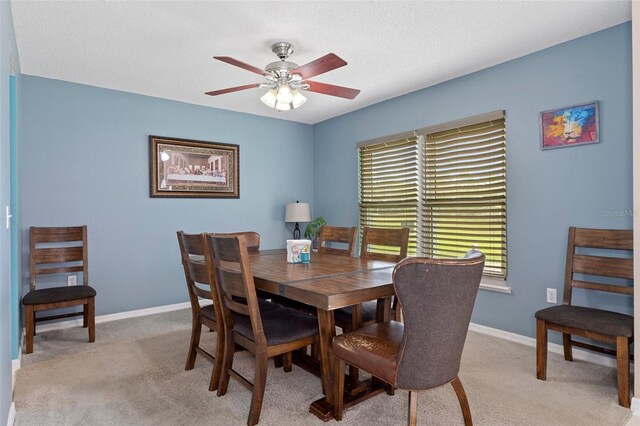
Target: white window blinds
389,186
447,185
465,194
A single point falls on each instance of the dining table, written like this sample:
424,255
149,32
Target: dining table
328,282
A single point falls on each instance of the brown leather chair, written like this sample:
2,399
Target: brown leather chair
337,234
437,296
264,333
588,322
56,251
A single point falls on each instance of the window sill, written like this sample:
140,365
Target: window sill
499,286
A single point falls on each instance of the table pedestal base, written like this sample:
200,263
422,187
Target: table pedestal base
324,411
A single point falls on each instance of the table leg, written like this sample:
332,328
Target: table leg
327,327
383,309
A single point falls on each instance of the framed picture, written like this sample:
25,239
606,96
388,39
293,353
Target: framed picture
193,169
570,126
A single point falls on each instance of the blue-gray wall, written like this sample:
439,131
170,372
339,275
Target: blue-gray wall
547,190
7,49
85,160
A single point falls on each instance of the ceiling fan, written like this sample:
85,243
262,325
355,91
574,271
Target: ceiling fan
286,79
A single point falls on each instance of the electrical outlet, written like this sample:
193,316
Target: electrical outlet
552,295
71,280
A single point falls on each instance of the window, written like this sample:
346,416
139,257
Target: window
447,183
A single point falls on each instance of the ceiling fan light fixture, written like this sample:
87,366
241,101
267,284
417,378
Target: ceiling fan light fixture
281,106
284,94
269,98
298,99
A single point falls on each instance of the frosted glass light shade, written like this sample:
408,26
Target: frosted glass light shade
269,98
297,212
298,99
284,94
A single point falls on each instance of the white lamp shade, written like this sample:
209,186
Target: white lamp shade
297,212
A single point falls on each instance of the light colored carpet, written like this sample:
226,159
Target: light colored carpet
134,375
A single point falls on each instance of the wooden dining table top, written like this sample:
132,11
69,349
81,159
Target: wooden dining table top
328,282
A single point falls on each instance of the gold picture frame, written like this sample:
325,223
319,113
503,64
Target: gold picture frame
185,168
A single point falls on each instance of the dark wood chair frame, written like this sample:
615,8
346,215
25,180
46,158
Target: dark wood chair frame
337,234
230,270
192,252
65,259
593,266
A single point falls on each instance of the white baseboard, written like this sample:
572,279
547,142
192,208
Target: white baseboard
635,406
578,353
113,317
11,418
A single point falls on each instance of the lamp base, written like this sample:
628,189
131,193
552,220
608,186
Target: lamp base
296,232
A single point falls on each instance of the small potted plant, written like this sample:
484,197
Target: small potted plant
313,230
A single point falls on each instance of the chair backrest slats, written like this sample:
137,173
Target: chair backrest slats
604,266
57,234
437,297
228,259
598,264
396,239
59,255
60,270
337,234
57,250
251,238
603,287
198,271
195,271
615,239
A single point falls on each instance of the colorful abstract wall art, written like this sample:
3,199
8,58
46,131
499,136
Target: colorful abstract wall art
570,126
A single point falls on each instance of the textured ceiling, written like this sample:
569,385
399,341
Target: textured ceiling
165,49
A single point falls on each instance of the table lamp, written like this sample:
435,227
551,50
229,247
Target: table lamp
297,212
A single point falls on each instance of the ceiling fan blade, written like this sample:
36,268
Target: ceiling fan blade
327,63
240,64
232,89
332,90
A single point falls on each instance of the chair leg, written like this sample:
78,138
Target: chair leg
541,350
30,318
217,363
338,388
196,330
462,399
85,315
413,408
278,361
91,318
227,361
622,354
259,384
566,343
287,361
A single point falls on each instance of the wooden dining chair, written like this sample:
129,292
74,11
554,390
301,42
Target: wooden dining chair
388,244
199,286
586,321
437,296
264,333
59,251
332,235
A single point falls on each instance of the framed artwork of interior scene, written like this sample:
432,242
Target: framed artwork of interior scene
193,169
570,126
